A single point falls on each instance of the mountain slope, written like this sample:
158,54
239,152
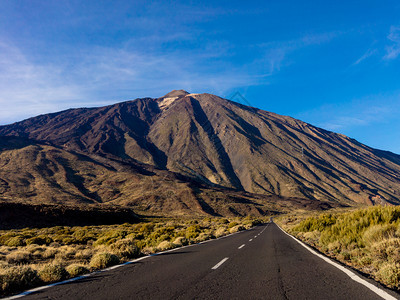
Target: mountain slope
37,173
227,144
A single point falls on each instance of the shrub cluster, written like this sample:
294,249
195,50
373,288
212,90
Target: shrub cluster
29,257
368,239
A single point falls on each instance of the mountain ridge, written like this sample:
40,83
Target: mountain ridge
224,143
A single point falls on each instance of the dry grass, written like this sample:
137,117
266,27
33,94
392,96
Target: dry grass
64,252
366,239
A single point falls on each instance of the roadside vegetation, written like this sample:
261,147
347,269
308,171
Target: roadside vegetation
366,239
31,257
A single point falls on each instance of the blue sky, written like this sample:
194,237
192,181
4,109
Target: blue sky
334,64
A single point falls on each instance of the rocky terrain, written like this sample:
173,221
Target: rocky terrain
189,153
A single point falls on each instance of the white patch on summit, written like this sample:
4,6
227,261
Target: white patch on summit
166,102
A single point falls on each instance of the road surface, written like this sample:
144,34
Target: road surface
261,263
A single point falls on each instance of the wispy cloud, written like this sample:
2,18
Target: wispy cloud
358,113
366,55
276,52
101,75
28,89
393,50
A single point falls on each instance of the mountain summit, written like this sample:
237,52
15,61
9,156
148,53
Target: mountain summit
223,143
176,93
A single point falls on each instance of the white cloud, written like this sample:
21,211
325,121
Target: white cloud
276,52
99,76
366,55
393,50
363,112
27,89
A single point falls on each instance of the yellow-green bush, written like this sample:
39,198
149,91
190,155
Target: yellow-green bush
18,278
193,232
76,270
39,240
53,272
19,257
369,238
96,247
180,241
103,260
125,248
389,273
165,245
16,241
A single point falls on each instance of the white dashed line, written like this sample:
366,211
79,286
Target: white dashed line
241,246
250,240
220,263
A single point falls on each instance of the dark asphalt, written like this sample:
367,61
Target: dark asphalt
271,266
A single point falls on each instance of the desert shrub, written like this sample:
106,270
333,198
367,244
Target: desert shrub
18,257
103,260
49,253
312,237
378,233
334,247
345,255
62,230
389,274
204,236
146,228
5,237
110,236
18,278
52,273
65,239
223,221
66,253
76,270
55,245
232,224
39,240
16,241
125,248
135,236
256,222
369,238
387,249
141,244
82,236
365,261
193,232
316,223
84,254
165,245
236,228
220,231
180,241
162,234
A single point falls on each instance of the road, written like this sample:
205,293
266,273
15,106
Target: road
261,263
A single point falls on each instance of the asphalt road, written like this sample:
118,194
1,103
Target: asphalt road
261,263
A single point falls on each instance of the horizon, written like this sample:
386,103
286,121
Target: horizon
331,65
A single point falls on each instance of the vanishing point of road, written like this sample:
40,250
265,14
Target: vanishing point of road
260,263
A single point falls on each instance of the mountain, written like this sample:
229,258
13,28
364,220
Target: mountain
35,173
221,144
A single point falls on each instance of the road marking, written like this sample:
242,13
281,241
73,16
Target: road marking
220,263
349,273
250,240
241,246
255,236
